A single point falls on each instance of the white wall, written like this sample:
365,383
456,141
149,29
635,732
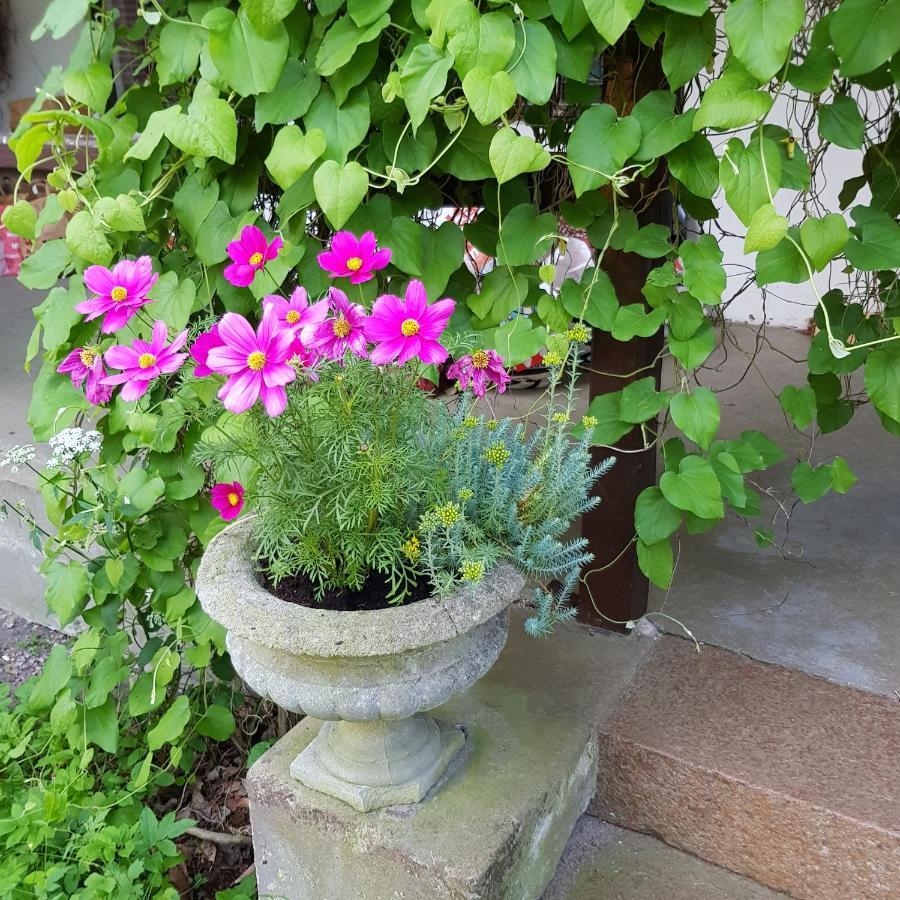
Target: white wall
30,62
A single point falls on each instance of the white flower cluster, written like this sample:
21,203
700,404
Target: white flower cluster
17,456
71,443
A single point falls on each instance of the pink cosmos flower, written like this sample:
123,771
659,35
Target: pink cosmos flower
228,499
355,258
298,315
482,368
256,363
199,350
250,254
121,291
142,362
346,331
409,327
86,363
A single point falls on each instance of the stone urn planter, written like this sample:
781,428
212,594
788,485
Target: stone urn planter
371,675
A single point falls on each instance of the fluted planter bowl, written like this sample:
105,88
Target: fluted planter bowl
371,674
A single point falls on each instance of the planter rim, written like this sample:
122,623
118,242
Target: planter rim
231,594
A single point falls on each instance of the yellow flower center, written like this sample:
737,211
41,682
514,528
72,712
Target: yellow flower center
354,264
409,327
87,357
480,359
118,293
256,360
256,259
341,327
292,317
145,360
233,499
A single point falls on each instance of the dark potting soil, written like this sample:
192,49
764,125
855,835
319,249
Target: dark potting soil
372,595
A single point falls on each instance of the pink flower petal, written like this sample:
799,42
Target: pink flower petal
236,331
274,400
239,393
98,279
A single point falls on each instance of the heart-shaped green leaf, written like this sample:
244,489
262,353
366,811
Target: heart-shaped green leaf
340,189
489,94
824,238
766,229
512,154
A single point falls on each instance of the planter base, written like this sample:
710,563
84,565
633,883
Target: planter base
375,764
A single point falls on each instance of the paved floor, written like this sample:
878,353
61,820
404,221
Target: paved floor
831,607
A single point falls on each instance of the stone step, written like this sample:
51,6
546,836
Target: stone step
766,771
602,861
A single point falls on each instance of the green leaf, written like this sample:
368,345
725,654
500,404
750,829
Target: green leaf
250,62
489,94
517,340
193,202
694,488
662,130
882,380
809,483
57,314
640,401
293,153
60,17
730,102
592,300
877,248
865,34
823,239
612,17
54,677
266,15
766,229
842,476
634,320
696,166
90,87
154,131
68,587
21,218
171,726
422,78
688,7
340,190
799,404
610,427
101,726
208,129
600,144
87,239
534,71
512,154
651,241
291,98
139,492
342,40
345,126
656,562
697,415
655,519
704,277
744,178
783,263
841,123
688,47
174,300
120,213
217,723
180,44
525,236
761,33
486,41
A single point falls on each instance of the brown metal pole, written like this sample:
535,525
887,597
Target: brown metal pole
618,590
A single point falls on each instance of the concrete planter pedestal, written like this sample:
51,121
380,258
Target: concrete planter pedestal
371,675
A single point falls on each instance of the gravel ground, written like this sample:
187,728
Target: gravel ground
23,648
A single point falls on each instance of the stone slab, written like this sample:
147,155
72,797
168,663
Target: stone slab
496,824
602,861
786,778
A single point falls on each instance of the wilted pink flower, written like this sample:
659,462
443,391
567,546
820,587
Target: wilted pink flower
298,315
121,291
483,367
409,327
86,363
355,258
255,362
199,350
250,254
228,499
142,361
334,337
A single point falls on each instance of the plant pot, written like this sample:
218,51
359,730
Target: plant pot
370,674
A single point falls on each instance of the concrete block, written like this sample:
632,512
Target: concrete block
496,824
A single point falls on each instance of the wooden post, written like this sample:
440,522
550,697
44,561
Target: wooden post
615,588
